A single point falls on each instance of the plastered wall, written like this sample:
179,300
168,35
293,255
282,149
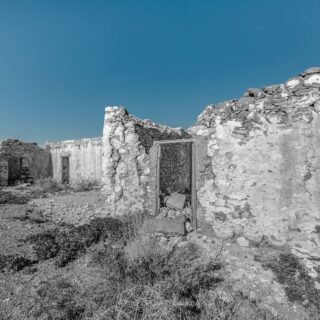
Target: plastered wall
85,158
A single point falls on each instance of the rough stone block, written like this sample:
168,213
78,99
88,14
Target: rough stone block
243,242
167,226
176,201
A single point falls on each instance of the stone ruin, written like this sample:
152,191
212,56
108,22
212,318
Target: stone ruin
24,162
247,167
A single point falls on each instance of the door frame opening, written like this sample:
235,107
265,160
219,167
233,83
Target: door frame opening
65,171
193,176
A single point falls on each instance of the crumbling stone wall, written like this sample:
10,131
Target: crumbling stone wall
129,161
22,161
258,171
85,158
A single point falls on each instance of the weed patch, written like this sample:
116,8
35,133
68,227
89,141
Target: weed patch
298,285
43,186
14,263
68,244
85,185
9,198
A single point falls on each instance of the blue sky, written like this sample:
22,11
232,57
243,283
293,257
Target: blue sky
62,62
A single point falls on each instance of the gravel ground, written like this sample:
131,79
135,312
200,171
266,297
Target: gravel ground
18,221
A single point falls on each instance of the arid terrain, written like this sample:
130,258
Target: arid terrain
60,258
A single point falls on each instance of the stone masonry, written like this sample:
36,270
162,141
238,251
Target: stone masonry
129,160
22,161
259,170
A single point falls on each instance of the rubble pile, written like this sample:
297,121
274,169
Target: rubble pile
176,206
292,101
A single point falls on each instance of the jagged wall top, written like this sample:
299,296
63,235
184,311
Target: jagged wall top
120,113
291,101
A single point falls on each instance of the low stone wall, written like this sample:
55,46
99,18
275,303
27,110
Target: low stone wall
85,157
129,161
258,170
22,159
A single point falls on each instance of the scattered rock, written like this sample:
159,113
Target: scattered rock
243,242
312,80
317,106
312,70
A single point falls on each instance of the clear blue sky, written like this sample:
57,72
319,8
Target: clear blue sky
62,62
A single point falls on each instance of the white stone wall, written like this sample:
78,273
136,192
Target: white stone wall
85,159
259,165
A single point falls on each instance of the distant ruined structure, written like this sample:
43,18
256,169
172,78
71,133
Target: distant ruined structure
248,167
22,161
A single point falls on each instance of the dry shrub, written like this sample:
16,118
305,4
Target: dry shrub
68,244
85,185
176,273
143,280
139,303
224,303
289,271
58,299
14,263
43,186
9,198
183,270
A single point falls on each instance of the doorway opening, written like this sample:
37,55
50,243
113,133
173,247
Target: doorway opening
19,171
4,172
14,170
176,187
65,173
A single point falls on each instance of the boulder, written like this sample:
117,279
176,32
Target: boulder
176,201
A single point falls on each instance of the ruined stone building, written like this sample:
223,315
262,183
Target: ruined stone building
249,166
22,161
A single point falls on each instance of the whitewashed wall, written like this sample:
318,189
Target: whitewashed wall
85,159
